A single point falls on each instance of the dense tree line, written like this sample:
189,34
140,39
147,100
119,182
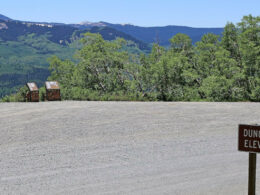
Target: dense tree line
214,69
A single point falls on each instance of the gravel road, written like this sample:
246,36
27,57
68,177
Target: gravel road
124,148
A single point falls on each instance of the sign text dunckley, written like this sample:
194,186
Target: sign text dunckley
249,138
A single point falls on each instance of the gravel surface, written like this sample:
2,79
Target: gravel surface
124,148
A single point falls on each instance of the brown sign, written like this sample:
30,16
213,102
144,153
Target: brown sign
249,138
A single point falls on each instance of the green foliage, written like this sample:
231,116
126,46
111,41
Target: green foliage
216,88
181,42
20,96
42,94
211,70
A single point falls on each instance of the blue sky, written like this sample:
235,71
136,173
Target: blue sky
195,13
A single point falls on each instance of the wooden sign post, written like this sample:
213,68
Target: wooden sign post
251,173
249,141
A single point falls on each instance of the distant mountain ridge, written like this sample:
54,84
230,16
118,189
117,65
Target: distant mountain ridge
14,29
2,17
163,34
147,35
109,34
158,34
11,30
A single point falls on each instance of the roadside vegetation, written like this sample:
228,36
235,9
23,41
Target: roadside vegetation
214,69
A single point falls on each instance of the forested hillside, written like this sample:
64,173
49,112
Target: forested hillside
160,35
210,70
25,48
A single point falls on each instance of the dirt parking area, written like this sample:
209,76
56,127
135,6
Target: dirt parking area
112,148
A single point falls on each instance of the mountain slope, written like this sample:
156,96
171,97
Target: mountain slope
61,34
14,29
151,34
155,34
111,34
2,17
26,46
